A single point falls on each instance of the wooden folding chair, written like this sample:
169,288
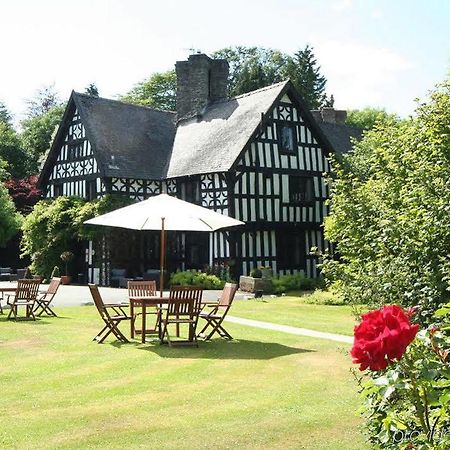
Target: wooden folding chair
137,289
183,308
25,295
112,315
215,317
43,301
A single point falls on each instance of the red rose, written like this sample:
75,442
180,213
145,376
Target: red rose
381,337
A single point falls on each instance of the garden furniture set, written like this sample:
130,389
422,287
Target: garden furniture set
183,306
28,296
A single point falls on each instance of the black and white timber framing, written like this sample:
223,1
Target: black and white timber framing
261,158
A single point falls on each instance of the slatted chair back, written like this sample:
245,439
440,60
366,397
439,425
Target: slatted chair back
184,301
227,296
53,286
98,301
111,321
138,289
27,290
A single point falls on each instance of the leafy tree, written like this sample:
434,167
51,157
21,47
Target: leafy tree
92,90
158,91
5,116
24,192
44,101
37,134
56,226
390,212
367,118
305,74
10,219
12,152
252,68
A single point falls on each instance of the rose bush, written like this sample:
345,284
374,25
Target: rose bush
406,383
382,337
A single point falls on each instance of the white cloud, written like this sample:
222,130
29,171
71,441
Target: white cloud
360,75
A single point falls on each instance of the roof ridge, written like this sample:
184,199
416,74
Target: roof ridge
123,103
256,91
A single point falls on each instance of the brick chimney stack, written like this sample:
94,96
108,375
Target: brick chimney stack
200,81
330,115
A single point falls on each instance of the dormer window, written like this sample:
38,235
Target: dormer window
286,138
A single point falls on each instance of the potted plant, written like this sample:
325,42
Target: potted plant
66,257
256,273
266,271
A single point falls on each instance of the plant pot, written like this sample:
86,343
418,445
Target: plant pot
66,279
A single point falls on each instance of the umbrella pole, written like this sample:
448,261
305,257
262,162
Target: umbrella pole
163,253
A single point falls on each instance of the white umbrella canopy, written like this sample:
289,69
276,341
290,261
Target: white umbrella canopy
178,215
165,213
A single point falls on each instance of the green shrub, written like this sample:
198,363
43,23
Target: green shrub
297,282
389,219
192,278
256,273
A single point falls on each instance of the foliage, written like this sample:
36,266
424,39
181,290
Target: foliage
192,278
390,213
5,115
38,132
256,67
12,152
55,226
158,91
221,271
256,273
251,68
408,404
92,90
323,297
297,282
10,219
44,100
305,74
24,192
66,257
367,118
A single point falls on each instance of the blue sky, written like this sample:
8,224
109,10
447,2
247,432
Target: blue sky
373,53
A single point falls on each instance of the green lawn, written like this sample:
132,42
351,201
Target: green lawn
296,312
263,390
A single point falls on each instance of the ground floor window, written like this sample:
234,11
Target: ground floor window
291,250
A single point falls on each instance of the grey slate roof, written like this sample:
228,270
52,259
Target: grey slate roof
214,143
139,138
133,141
340,136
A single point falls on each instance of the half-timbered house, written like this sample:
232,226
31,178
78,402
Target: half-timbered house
260,157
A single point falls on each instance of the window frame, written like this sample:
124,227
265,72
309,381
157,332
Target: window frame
292,127
309,180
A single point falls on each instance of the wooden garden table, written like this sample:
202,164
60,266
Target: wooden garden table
143,302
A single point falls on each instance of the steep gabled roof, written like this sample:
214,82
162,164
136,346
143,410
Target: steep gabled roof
131,141
213,143
138,138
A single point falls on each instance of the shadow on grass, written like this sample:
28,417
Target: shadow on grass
221,349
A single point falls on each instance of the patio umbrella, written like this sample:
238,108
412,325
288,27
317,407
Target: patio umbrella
165,213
